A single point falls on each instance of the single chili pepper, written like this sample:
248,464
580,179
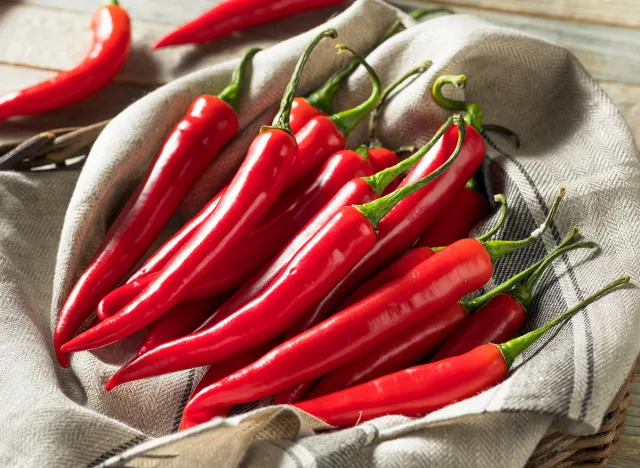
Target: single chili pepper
290,213
181,320
254,189
219,371
108,51
320,102
407,349
195,141
420,390
317,140
432,287
469,207
411,217
501,315
312,271
397,269
235,15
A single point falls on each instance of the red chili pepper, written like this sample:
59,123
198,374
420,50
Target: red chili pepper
500,316
220,371
407,349
468,208
432,287
255,188
108,51
420,390
194,142
320,102
398,268
235,15
312,271
181,320
317,140
290,213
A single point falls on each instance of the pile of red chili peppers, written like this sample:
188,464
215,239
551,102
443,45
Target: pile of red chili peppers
311,246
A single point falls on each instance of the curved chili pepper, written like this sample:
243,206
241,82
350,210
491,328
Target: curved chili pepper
320,102
235,15
249,196
468,208
290,213
430,288
357,191
407,349
108,51
420,390
219,371
195,141
317,140
312,271
499,316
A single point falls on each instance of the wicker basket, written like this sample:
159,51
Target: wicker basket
557,450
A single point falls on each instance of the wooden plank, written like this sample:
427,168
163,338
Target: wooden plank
609,12
609,53
56,39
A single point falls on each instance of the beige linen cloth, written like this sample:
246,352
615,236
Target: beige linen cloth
572,134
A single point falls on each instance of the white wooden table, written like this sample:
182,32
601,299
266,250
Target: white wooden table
39,38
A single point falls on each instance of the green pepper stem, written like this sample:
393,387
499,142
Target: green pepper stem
512,349
376,210
231,94
473,111
472,184
499,248
503,131
422,12
380,180
363,151
348,119
373,117
516,285
504,211
281,120
111,2
322,98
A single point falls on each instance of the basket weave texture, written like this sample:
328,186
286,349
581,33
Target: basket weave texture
558,450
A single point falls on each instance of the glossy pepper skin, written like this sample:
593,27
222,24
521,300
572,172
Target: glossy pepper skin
235,15
316,142
355,192
357,330
495,322
413,392
400,267
404,224
398,353
315,268
252,192
302,112
219,371
312,271
107,54
420,390
290,213
467,208
191,146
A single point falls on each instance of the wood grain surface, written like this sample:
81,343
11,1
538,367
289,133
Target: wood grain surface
40,37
